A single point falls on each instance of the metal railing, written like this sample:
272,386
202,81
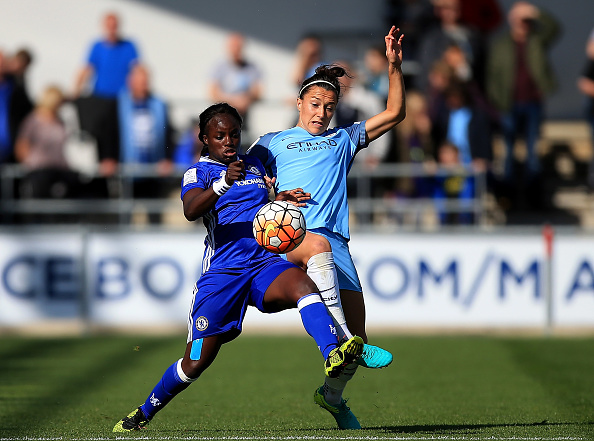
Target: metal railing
120,202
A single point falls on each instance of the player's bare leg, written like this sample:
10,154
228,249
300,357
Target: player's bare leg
314,255
353,307
292,288
198,357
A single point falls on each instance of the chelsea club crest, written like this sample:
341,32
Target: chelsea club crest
201,323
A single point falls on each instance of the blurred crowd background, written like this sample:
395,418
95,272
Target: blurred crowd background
487,140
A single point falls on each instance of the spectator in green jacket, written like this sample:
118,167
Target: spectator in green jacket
519,78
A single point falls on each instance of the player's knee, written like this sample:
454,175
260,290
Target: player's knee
193,368
317,244
304,287
309,287
299,286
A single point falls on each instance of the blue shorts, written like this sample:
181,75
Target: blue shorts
345,268
221,296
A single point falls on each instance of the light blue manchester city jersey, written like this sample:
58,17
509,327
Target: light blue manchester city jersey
319,165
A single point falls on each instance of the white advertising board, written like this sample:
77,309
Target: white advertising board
39,277
142,278
416,280
451,280
573,281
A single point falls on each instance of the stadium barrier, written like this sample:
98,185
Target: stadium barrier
366,207
121,279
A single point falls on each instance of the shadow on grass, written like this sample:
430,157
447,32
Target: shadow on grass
448,428
429,429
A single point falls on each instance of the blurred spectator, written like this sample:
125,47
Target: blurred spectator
461,73
15,105
376,71
414,144
520,77
465,125
586,86
40,148
482,15
188,149
236,80
19,64
455,57
413,17
108,63
450,186
441,76
146,136
308,56
447,32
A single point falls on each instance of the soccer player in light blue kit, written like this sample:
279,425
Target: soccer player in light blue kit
227,190
318,160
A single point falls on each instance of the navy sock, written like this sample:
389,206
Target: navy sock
169,386
318,323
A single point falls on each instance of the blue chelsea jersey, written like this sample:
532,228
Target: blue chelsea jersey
317,164
230,241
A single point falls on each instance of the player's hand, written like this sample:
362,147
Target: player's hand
269,181
296,197
394,47
235,172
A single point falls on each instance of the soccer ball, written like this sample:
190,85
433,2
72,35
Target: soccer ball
279,227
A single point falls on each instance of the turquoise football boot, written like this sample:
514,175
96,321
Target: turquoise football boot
341,413
374,357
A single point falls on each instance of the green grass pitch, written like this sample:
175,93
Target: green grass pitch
439,388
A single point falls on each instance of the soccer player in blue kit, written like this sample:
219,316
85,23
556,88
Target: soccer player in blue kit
227,190
318,160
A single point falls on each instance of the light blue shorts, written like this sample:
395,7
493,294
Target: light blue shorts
345,268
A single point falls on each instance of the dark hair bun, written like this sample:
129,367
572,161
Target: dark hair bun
331,71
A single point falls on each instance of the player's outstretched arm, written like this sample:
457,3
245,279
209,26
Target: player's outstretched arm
198,201
395,111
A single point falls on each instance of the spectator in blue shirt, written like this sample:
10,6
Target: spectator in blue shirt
14,107
236,80
146,135
109,61
104,75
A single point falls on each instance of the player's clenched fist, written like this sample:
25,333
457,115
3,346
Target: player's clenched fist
235,172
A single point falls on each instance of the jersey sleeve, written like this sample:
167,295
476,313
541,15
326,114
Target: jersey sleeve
357,135
260,150
195,177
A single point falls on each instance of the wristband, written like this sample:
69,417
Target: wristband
221,187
